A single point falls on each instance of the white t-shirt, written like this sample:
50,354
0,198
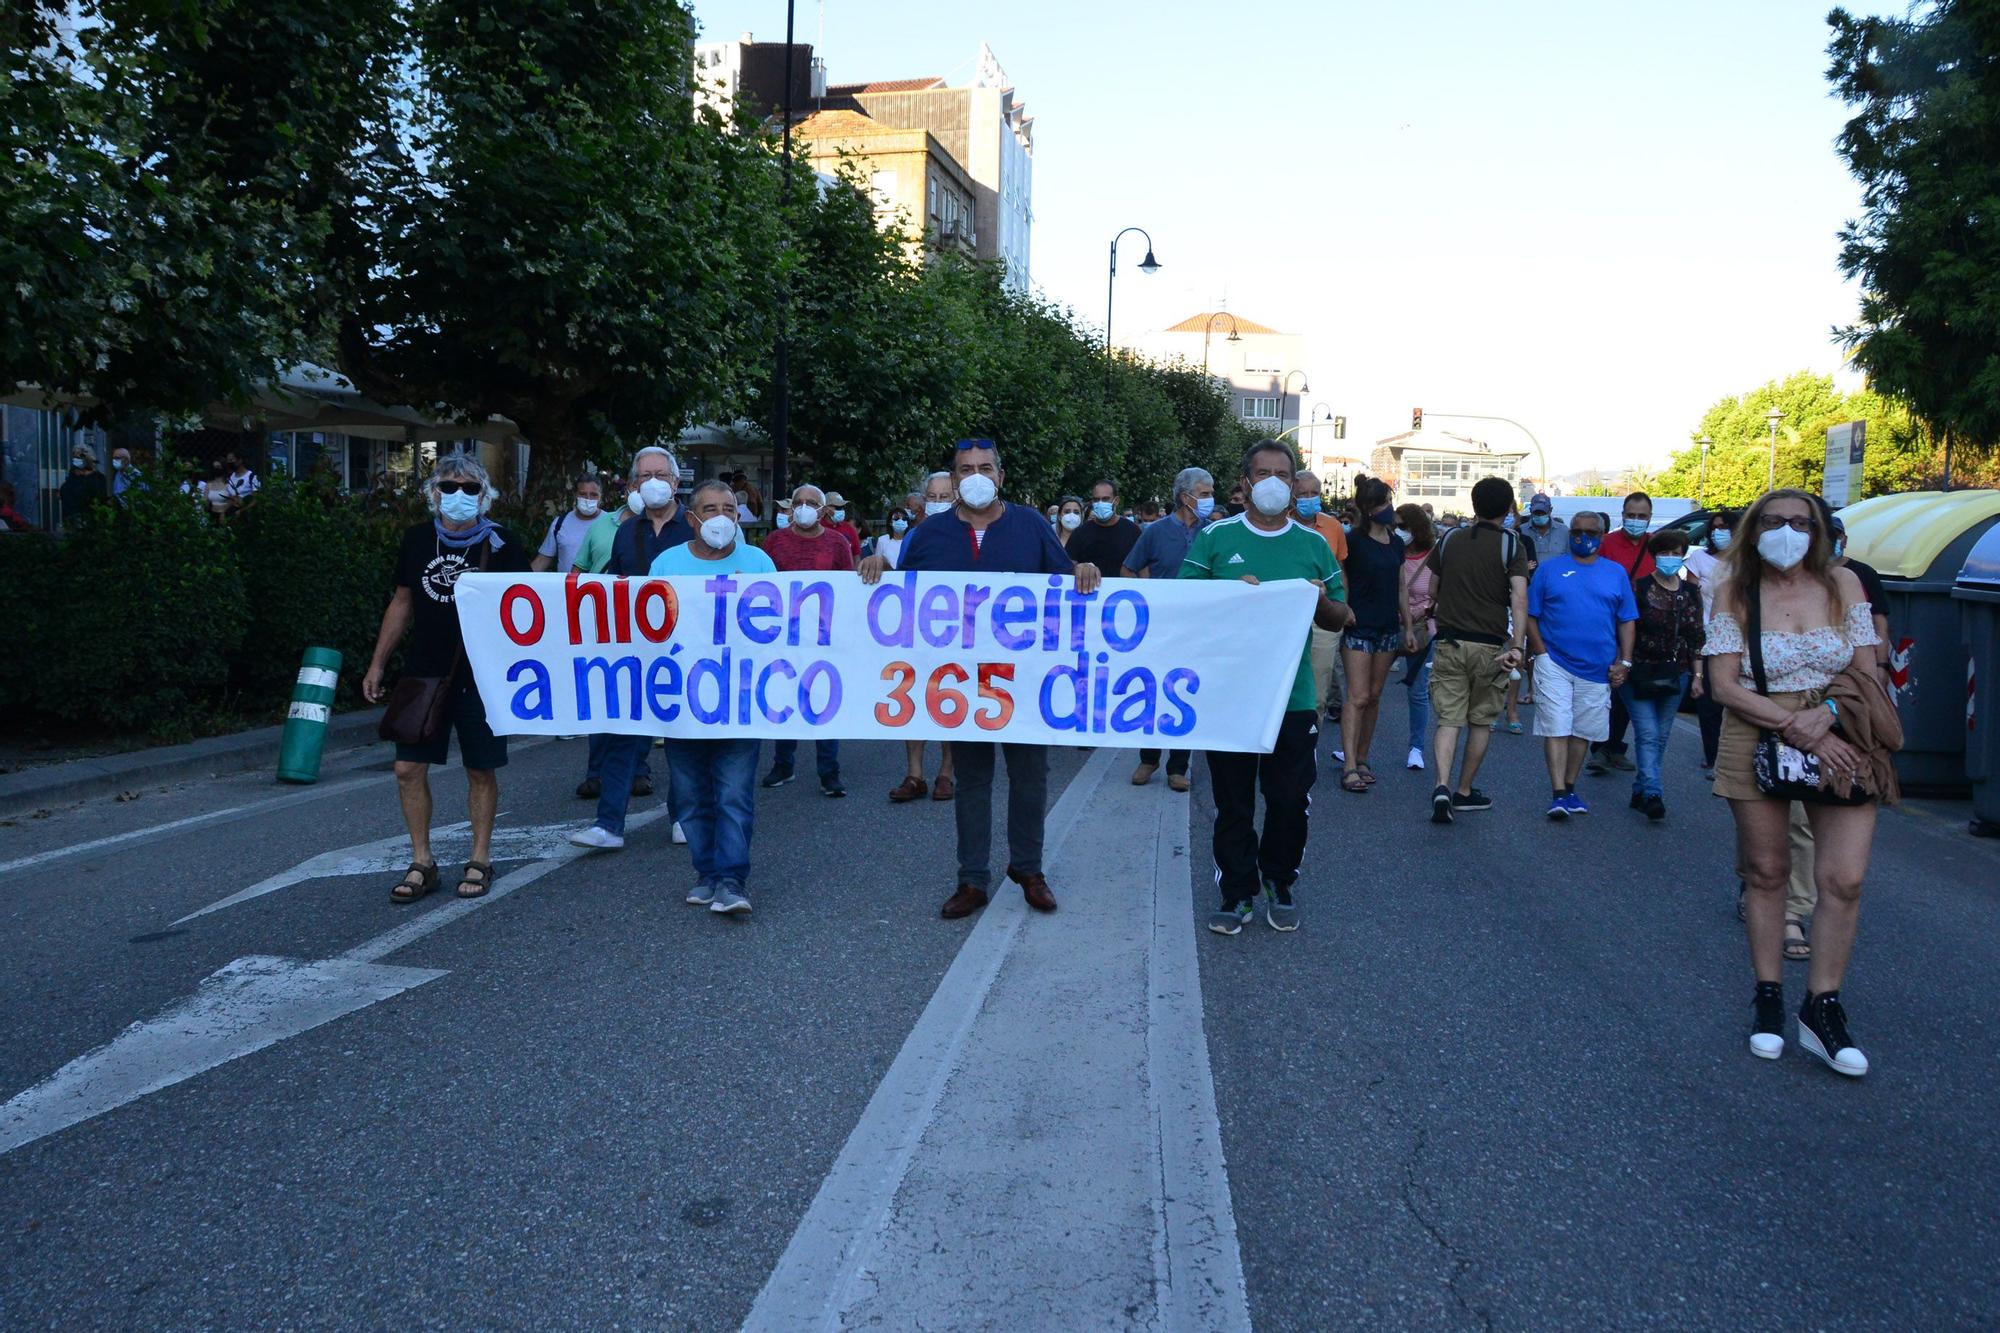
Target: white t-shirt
890,549
564,536
1704,564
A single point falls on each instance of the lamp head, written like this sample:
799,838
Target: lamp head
1233,337
1149,264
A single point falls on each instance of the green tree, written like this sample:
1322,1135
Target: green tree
1925,144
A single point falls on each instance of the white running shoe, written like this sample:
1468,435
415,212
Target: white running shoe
1416,759
597,839
1340,756
680,836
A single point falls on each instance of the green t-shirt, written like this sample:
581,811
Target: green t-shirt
595,552
1231,548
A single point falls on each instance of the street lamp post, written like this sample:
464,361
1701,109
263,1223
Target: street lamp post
1315,421
1207,329
1701,486
781,389
1148,265
1284,390
1772,418
1540,461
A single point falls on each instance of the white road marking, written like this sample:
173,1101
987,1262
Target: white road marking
246,1006
1044,1151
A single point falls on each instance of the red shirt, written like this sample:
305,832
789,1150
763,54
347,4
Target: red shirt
791,552
1629,552
852,533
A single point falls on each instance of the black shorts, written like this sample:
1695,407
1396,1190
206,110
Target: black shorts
478,747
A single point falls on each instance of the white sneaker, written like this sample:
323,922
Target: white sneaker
1416,759
597,839
1767,1045
1340,756
680,837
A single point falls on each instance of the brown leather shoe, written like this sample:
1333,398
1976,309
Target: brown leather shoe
1035,888
1178,781
943,789
965,902
1143,774
912,789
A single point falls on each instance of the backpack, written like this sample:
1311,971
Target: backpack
1509,544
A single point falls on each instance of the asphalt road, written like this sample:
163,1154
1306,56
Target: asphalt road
1498,1079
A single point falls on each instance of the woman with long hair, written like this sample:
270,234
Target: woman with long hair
1420,591
1780,592
1381,628
1069,517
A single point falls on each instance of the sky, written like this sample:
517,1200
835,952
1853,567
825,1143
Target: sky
1594,218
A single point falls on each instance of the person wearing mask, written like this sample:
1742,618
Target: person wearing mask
1267,546
1624,546
1704,566
658,524
1157,555
1104,539
214,492
835,519
1580,629
1310,509
1482,612
82,488
458,539
984,534
890,544
1069,520
938,496
568,529
124,476
1149,514
1054,515
1413,525
1812,680
243,483
593,556
1379,630
714,781
1666,643
809,544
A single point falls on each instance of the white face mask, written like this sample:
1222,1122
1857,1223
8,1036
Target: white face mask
655,493
586,508
719,531
804,516
1403,536
1782,547
1272,496
977,490
1071,521
633,502
937,507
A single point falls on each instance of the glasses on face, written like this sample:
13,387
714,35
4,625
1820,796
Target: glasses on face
454,487
1797,522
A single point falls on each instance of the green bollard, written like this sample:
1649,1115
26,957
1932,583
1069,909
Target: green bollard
306,719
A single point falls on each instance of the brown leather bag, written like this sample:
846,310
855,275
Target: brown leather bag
418,705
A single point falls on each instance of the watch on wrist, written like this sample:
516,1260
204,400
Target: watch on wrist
1627,665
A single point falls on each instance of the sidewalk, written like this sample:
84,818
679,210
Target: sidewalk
74,779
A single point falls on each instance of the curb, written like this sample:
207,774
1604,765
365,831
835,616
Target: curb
245,750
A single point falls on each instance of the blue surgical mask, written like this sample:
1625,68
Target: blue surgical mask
1539,520
1204,506
899,526
1670,565
1100,510
784,520
1508,522
840,515
1636,527
1309,506
1839,547
1386,517
1719,539
458,507
1584,544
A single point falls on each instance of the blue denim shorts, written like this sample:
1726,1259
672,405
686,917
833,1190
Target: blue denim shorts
1363,641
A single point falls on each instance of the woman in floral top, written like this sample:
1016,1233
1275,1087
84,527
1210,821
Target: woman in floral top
1666,642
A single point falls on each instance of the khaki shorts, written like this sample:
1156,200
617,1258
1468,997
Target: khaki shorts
1468,684
1325,657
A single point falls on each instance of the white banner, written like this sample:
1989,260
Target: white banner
1022,658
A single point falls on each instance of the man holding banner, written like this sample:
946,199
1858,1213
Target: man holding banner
985,534
1264,545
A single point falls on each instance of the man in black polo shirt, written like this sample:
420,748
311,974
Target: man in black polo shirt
657,525
1105,539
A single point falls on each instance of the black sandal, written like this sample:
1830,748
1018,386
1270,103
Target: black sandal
478,886
1352,781
417,881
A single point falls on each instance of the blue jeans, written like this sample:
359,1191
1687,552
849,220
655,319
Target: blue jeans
826,756
1417,679
715,789
594,765
621,759
1652,725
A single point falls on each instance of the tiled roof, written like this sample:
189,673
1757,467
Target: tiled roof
884,86
1200,323
837,124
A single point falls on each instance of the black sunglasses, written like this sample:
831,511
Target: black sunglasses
454,487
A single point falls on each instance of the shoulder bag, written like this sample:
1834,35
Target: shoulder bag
418,705
1783,771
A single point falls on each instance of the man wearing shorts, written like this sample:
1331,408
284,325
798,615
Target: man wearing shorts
1581,616
1481,574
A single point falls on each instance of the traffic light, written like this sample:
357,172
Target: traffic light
1416,418
1340,428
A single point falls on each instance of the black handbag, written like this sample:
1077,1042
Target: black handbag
1783,771
1660,680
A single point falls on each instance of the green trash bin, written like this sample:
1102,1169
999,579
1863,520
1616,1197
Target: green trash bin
1918,542
1978,597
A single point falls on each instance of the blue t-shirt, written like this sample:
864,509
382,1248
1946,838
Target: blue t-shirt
1374,578
1579,608
681,559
